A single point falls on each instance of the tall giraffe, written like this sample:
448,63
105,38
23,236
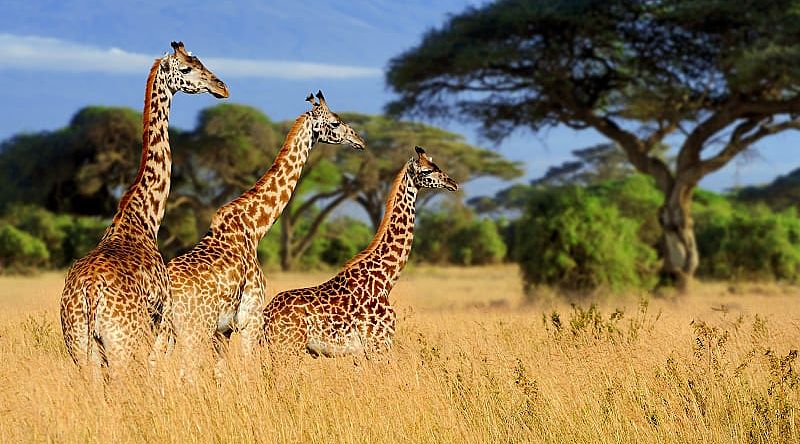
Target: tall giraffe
218,286
114,297
351,313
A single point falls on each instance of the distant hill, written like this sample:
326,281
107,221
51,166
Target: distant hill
783,192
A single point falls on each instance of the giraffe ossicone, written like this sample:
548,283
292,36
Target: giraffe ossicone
218,287
351,313
114,297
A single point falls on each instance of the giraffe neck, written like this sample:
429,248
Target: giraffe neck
260,206
142,206
388,252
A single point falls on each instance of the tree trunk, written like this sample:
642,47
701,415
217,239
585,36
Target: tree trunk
678,243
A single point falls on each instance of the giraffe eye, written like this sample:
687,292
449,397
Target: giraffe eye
185,70
336,124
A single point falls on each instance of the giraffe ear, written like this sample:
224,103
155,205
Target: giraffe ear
419,150
310,99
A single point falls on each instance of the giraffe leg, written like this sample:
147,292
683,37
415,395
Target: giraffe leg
193,340
250,319
221,340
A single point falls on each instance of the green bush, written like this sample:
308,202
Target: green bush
750,243
636,197
575,241
478,243
454,235
43,225
65,237
20,251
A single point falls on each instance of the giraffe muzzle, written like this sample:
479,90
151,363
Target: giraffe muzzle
220,90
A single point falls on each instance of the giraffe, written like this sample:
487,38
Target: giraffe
351,313
218,286
114,297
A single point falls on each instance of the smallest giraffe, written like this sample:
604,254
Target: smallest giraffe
351,313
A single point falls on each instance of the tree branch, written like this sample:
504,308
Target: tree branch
311,201
316,223
636,150
742,137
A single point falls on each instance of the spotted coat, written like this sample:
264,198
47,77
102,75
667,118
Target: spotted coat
218,286
114,297
351,312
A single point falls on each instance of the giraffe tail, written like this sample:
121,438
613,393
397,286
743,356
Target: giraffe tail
91,297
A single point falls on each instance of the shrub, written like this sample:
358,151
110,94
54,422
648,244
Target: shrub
636,197
479,243
65,237
453,235
41,224
751,243
575,241
20,251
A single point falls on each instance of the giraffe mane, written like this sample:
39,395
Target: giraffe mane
123,202
391,201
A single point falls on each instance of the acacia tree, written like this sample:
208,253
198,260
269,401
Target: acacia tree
709,77
82,168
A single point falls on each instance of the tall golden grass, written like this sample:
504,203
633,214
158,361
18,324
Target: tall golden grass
471,363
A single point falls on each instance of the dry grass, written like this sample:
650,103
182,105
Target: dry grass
471,364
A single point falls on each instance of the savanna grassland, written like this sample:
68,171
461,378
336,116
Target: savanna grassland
472,363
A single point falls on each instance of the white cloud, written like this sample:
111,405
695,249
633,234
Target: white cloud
54,55
286,70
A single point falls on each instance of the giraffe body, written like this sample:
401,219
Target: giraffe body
351,312
218,286
114,297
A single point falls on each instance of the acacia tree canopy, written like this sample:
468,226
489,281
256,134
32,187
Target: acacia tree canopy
716,76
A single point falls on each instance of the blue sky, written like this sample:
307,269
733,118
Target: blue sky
58,56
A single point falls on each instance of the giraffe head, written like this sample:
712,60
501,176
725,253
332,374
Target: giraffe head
186,73
328,127
427,174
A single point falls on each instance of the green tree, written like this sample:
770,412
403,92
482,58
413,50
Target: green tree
511,199
712,77
230,148
97,156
